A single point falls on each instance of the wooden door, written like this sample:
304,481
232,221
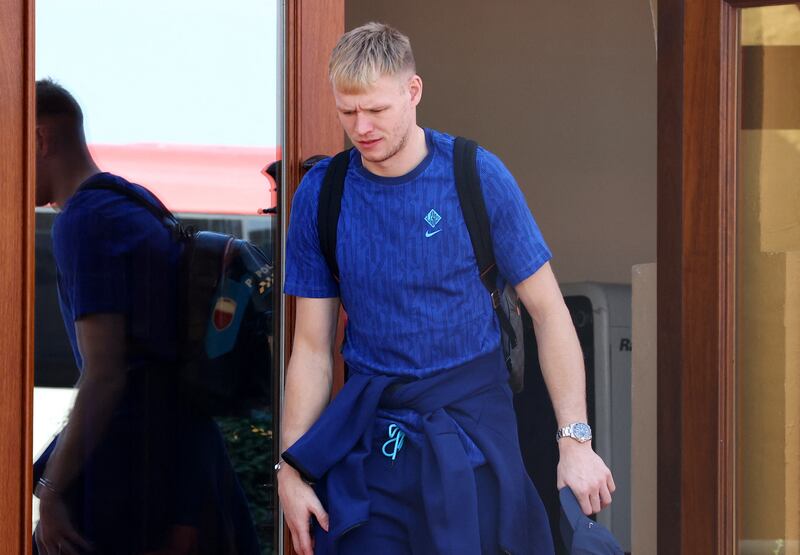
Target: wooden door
698,118
312,29
312,128
16,272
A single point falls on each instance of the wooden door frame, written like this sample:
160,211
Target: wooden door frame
17,161
698,121
312,29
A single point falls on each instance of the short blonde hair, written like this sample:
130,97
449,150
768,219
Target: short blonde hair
366,53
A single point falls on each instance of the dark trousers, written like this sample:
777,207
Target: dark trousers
397,522
158,465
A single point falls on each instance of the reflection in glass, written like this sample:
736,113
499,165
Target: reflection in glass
182,99
768,283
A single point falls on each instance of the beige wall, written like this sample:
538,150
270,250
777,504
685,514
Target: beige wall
565,94
644,404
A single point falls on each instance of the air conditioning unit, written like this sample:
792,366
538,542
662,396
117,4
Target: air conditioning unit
601,314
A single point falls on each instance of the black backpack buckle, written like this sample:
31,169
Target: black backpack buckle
496,296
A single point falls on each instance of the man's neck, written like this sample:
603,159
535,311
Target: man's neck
71,179
408,158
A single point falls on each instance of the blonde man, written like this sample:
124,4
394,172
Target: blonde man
134,470
419,452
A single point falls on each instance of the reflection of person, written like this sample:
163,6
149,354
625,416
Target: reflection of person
133,471
419,452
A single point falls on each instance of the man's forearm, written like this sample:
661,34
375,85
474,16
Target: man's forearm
562,365
561,359
309,377
87,424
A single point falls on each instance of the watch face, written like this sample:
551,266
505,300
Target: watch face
582,431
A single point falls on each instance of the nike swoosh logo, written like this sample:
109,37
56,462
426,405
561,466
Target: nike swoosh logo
429,234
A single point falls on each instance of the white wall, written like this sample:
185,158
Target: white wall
565,93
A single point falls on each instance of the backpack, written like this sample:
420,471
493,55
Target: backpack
224,314
506,304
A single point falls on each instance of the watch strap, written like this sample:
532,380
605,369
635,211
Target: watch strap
569,431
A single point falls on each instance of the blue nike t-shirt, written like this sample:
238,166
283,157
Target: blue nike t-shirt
113,256
408,275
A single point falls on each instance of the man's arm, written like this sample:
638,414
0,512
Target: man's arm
101,341
308,389
562,368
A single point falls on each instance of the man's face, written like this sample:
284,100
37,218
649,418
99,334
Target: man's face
379,119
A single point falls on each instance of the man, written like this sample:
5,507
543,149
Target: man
419,452
134,470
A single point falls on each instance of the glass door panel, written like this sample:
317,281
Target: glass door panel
768,283
184,99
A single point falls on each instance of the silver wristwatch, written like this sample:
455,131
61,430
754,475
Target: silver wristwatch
579,431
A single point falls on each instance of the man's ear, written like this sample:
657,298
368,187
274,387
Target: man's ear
415,89
43,140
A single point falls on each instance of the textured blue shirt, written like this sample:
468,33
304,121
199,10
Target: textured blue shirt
113,256
408,275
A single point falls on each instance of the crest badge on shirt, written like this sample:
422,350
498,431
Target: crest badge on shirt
433,218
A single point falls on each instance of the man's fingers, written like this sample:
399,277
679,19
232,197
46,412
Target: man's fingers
66,548
612,487
305,545
37,537
605,496
41,546
44,544
301,540
73,537
586,505
594,498
297,541
319,513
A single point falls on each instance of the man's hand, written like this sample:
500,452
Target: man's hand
308,389
55,534
585,473
561,360
299,502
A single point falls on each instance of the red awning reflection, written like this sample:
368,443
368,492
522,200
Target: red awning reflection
196,179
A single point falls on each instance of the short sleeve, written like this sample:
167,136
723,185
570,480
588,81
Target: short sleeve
519,248
91,259
307,272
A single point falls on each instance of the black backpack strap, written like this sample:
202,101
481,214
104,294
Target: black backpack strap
473,207
330,205
155,207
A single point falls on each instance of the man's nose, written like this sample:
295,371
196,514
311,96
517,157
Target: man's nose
363,124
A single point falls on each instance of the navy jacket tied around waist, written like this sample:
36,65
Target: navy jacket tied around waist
474,397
